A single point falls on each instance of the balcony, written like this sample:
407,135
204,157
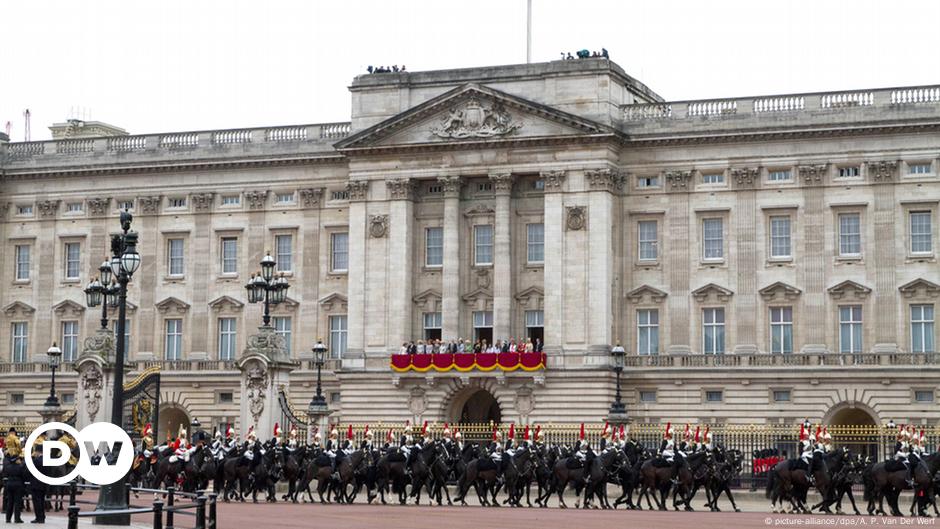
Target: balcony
466,362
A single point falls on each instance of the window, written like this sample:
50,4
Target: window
850,329
284,256
779,175
68,398
483,242
338,331
648,395
229,255
73,207
435,189
17,399
125,205
483,326
779,237
434,247
538,185
69,341
923,395
648,240
24,210
712,243
432,325
713,178
335,398
781,395
535,239
73,254
647,331
851,171
339,195
231,200
912,168
486,186
20,337
127,333
173,340
921,232
284,198
176,203
340,259
282,328
647,181
713,331
226,338
535,324
922,321
226,397
713,395
174,257
850,235
781,330
22,262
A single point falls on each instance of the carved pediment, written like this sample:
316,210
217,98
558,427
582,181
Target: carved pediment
849,289
429,300
638,294
479,299
18,308
779,290
333,301
472,112
713,291
288,304
531,298
131,307
68,307
920,287
229,303
172,305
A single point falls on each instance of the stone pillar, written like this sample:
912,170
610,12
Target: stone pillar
45,244
554,270
745,226
311,200
202,238
679,261
814,262
450,282
358,191
884,257
149,274
265,369
502,258
401,262
93,393
603,184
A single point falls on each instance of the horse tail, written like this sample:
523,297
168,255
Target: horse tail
771,482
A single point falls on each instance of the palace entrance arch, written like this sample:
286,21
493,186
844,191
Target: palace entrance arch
171,418
855,426
475,405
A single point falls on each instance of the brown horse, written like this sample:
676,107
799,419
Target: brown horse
565,475
483,474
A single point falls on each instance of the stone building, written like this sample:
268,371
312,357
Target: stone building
761,259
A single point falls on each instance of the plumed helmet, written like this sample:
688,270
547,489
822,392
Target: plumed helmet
230,432
334,434
446,432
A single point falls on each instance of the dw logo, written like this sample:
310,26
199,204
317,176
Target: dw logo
110,443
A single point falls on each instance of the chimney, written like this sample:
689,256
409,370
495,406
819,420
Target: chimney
76,128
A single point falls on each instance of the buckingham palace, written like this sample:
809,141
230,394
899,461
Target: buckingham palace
760,259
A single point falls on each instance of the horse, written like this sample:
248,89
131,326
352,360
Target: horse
235,476
729,465
569,470
292,467
518,467
604,467
264,474
654,477
440,471
629,475
483,474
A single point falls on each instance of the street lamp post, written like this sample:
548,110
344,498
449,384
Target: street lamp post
55,356
616,359
318,406
265,288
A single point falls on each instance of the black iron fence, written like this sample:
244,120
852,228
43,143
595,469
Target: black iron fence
198,506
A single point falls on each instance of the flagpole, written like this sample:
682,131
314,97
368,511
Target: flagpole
528,32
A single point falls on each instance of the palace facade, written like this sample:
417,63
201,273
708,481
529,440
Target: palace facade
761,259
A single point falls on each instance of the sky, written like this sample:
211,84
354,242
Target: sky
169,65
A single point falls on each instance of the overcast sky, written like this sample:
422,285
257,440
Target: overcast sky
166,65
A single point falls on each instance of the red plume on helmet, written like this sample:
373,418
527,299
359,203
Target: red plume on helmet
512,431
581,434
349,433
818,429
538,430
802,432
494,433
697,438
424,429
525,434
622,432
388,438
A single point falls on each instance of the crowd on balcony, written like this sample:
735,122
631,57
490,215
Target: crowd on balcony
386,69
585,54
472,347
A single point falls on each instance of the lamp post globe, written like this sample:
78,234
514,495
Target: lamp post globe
130,260
93,293
104,271
267,267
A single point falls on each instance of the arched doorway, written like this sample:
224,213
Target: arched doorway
170,420
475,406
854,426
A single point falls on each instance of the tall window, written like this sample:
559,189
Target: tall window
283,246
483,242
647,331
712,243
69,341
648,240
535,324
20,338
850,329
175,260
226,338
230,255
340,255
22,262
781,330
434,247
483,325
713,330
779,237
72,260
921,232
282,328
922,320
338,331
850,235
173,341
535,240
432,325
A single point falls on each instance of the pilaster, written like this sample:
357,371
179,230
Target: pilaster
358,190
554,270
450,281
502,257
399,288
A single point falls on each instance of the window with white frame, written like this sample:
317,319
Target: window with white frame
922,333
229,255
173,340
921,232
923,395
713,178
538,185
282,328
22,262
850,329
125,205
850,171
284,198
781,330
647,331
779,175
483,325
780,237
648,395
435,189
781,395
535,324
648,240
231,200
714,395
647,181
338,334
434,246
712,239
175,259
283,245
432,325
339,258
73,207
24,210
227,338
535,243
713,330
485,186
20,341
483,244
176,203
339,195
918,168
69,341
850,235
73,258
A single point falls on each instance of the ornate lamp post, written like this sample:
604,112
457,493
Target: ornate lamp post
265,288
616,361
102,292
318,407
55,356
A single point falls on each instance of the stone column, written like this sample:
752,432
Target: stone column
202,238
679,261
149,275
745,226
554,270
602,184
502,258
885,258
311,199
401,262
45,245
814,262
93,393
450,282
358,191
265,369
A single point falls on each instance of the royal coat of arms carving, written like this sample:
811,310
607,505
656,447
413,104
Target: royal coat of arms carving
476,121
